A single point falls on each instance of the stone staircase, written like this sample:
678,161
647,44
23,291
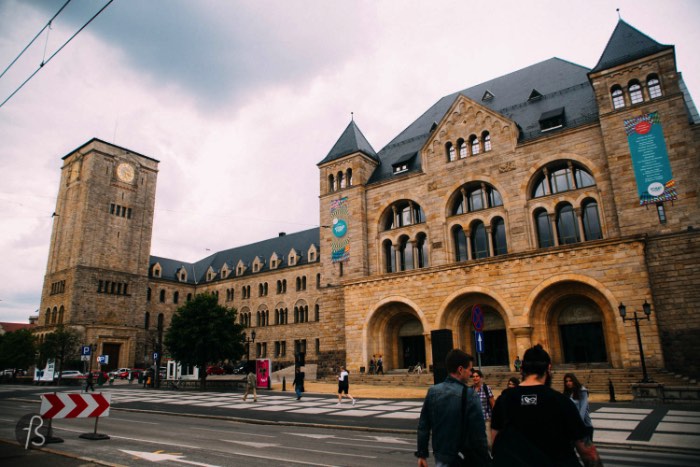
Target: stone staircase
595,379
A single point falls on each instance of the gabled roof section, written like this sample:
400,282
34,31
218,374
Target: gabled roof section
625,45
351,141
561,83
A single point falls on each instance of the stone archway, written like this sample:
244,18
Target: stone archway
396,332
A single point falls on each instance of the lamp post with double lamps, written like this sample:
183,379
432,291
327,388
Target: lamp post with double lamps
247,342
647,311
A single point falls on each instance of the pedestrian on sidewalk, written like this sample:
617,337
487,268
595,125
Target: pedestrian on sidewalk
579,396
487,401
89,382
372,365
250,386
534,425
298,382
452,414
344,386
380,365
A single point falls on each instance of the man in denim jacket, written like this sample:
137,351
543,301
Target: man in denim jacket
442,414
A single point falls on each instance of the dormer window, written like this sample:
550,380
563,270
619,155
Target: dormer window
157,271
312,253
182,274
552,120
400,168
224,271
210,274
535,95
404,162
240,268
487,96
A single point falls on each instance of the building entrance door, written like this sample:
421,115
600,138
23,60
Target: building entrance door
113,351
583,343
413,350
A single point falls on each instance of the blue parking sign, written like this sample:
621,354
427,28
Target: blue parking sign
85,350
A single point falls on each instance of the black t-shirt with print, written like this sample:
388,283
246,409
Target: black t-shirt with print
543,416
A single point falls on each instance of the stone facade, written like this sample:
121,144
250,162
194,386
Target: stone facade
527,210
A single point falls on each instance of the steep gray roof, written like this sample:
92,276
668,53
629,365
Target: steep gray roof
282,245
352,140
560,83
625,45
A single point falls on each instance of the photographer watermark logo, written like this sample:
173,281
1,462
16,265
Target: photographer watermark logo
31,432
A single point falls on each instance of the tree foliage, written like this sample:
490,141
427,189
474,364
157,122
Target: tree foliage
62,344
203,332
17,349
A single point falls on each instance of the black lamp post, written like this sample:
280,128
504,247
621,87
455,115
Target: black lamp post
647,311
247,343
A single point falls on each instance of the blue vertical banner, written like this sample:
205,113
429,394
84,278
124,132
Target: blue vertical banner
652,169
340,244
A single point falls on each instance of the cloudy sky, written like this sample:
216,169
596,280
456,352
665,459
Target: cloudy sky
240,99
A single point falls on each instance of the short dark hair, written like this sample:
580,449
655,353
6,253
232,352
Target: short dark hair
477,372
456,358
536,361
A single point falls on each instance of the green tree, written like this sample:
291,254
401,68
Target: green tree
17,349
203,332
62,344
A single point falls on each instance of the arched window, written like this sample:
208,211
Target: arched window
148,294
161,318
591,221
257,319
450,151
402,213
635,90
422,250
189,297
654,86
60,315
498,235
486,138
618,97
162,296
561,176
341,180
474,144
298,285
462,145
479,240
544,229
147,321
389,256
477,196
405,254
47,317
459,240
331,183
567,226
176,297
348,177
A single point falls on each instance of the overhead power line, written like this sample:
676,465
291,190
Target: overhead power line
55,53
47,25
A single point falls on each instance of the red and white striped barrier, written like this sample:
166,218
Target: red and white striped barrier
75,405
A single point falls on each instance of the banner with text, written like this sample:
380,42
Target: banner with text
340,244
652,169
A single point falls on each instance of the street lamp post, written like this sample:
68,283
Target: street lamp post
647,311
247,343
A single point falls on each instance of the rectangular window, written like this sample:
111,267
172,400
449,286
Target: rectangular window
318,346
661,212
283,350
111,208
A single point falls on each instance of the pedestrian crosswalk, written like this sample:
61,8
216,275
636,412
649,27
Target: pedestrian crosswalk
314,405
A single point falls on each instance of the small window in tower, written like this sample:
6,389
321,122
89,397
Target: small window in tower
654,86
661,212
618,97
635,90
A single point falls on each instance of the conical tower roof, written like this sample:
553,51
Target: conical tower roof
625,45
352,140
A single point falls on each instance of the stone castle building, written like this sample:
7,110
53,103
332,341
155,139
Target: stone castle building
545,198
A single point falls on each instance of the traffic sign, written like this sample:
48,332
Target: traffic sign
479,339
477,318
155,356
85,350
75,405
103,359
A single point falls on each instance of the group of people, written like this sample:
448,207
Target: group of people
376,365
530,424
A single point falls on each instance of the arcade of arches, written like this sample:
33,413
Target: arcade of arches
571,319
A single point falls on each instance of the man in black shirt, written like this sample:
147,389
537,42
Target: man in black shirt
534,425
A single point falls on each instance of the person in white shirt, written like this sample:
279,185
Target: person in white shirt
344,386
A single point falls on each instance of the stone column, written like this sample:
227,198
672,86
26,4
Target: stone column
553,223
523,341
579,221
467,235
490,237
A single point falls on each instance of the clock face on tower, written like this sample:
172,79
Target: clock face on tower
125,172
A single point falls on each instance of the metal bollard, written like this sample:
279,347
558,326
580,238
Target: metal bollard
611,390
284,383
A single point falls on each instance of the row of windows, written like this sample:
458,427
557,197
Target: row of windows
567,224
147,322
635,93
340,180
176,296
58,287
114,288
54,316
119,211
280,316
480,241
407,254
473,146
281,348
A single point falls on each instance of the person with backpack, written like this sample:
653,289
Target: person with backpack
487,400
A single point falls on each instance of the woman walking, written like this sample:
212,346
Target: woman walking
298,382
579,396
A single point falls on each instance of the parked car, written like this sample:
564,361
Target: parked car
215,370
240,367
123,373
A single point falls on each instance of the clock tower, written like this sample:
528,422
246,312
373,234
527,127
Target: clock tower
97,273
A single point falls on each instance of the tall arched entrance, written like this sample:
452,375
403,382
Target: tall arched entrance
457,317
581,334
396,333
